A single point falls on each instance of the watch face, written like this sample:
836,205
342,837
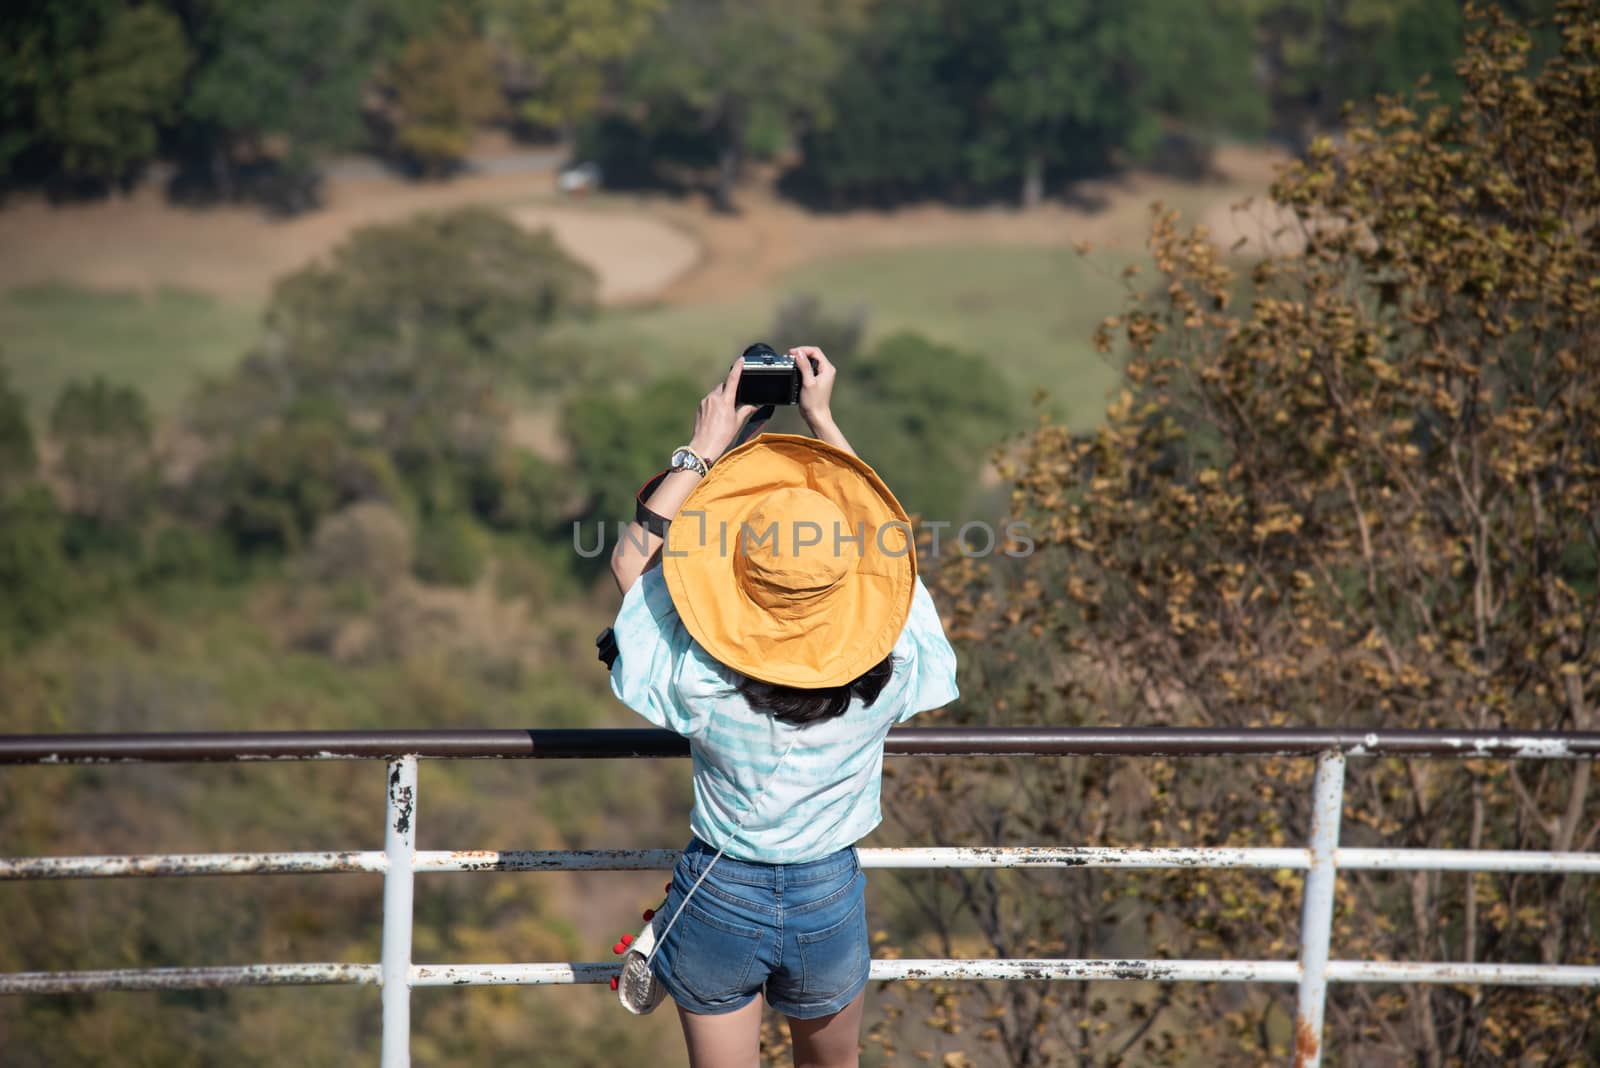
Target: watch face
680,458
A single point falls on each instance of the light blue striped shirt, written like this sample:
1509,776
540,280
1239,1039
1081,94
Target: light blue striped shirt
825,796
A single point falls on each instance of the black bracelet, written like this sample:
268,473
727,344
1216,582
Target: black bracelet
654,522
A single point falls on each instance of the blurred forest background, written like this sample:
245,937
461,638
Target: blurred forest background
314,382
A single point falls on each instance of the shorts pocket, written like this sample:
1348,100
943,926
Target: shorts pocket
834,959
713,955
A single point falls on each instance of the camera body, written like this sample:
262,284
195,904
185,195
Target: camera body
768,377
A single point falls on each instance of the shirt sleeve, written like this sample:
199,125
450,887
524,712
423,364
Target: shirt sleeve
652,645
927,659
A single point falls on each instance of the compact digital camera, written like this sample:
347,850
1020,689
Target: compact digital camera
769,377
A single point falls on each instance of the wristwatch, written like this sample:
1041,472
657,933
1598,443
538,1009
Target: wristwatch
686,459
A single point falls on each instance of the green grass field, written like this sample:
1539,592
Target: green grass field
51,334
1028,310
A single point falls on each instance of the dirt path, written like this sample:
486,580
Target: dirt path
771,236
143,242
653,247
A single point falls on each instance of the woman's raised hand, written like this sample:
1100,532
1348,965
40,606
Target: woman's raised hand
816,385
718,419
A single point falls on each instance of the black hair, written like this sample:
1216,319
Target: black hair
801,706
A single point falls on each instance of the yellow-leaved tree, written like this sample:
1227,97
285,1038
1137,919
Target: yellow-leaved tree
1356,484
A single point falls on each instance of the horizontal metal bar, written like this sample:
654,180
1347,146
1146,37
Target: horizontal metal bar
1474,974
1487,860
546,860
889,970
1044,857
943,857
189,978
934,741
201,747
1082,857
113,867
467,860
578,972
551,974
1161,971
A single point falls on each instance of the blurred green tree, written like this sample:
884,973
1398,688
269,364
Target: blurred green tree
620,440
744,66
1315,55
397,344
19,458
33,569
959,99
283,83
450,550
104,432
898,119
85,88
927,417
270,489
34,574
662,146
441,87
1076,82
514,489
565,50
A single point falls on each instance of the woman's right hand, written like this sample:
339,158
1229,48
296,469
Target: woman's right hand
719,417
816,385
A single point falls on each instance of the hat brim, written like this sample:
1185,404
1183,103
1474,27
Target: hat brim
830,640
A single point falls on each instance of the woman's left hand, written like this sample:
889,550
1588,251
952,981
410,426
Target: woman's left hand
718,419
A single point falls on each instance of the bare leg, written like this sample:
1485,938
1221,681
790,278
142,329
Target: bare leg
731,1040
829,1041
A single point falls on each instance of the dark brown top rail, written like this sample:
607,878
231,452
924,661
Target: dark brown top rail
934,741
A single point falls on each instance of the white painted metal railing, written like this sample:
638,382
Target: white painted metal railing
396,974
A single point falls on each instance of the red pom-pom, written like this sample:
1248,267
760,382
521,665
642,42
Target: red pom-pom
667,889
627,940
613,982
619,948
649,914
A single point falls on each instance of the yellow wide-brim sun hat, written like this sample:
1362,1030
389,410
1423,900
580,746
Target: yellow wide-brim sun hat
792,563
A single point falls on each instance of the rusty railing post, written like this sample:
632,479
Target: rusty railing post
400,848
1316,909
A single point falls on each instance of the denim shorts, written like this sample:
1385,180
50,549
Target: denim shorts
799,931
